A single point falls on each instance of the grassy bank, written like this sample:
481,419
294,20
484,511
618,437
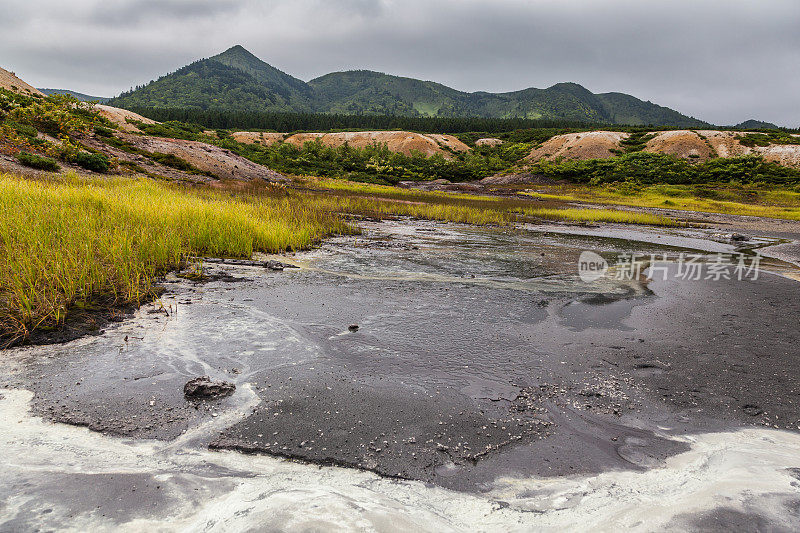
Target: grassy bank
381,200
71,243
752,201
68,241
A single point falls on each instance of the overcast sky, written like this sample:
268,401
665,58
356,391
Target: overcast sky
723,61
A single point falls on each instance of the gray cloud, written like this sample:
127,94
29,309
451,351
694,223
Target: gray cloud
720,60
148,11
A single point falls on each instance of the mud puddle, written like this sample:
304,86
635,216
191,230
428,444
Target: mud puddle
482,364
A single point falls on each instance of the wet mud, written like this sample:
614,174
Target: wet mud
479,357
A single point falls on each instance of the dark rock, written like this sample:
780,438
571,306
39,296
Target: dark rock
277,265
653,364
203,388
730,237
511,179
752,410
353,327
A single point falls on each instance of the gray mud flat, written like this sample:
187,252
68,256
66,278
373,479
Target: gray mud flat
481,365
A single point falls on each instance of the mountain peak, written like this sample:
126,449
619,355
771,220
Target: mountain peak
571,87
754,124
238,52
240,58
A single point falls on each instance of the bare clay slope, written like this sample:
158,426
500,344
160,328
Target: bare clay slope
699,145
213,162
123,118
10,81
403,142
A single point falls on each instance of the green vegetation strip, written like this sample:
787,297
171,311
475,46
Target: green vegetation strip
645,168
598,215
762,201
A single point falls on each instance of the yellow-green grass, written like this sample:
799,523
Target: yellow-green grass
545,196
475,209
67,241
598,215
389,191
382,201
381,208
769,203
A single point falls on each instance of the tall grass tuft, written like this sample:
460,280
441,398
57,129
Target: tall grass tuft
67,241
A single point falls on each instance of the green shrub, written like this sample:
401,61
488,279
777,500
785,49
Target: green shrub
25,130
171,129
636,141
765,139
90,161
173,161
37,161
649,169
102,131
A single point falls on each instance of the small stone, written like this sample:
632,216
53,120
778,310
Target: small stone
752,410
203,388
353,327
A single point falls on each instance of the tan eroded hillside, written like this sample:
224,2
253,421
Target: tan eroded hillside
584,145
396,141
9,81
121,117
699,145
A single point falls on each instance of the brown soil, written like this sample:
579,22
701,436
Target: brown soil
515,178
9,163
693,145
256,137
584,145
396,141
681,143
221,163
121,117
724,143
783,154
488,141
449,141
215,163
9,81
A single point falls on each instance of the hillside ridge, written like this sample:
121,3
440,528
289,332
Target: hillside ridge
237,80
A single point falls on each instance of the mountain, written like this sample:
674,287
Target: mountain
80,96
753,124
365,92
620,108
236,80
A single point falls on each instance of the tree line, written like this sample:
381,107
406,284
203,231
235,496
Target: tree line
295,122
